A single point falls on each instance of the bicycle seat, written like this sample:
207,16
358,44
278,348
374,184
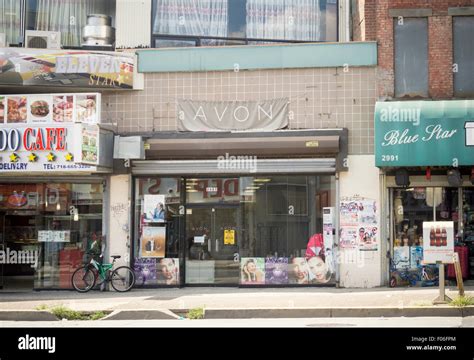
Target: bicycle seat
115,256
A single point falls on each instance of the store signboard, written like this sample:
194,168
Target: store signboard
67,68
46,148
424,133
50,108
438,242
232,115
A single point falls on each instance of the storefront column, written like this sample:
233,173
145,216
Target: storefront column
385,228
119,217
336,225
360,267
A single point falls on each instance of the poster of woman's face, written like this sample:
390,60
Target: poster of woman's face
252,271
154,208
167,270
153,242
298,271
313,270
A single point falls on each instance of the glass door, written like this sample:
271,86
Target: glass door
212,245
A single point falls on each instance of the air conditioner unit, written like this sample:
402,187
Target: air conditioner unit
42,39
3,40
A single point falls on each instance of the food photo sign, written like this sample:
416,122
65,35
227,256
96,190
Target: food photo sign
50,132
50,108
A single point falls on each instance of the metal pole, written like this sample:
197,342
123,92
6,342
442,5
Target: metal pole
442,297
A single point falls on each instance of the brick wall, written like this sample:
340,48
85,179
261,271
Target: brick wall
319,98
363,20
440,55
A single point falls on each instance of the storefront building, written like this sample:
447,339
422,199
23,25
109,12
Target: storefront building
54,159
242,169
217,218
56,153
424,149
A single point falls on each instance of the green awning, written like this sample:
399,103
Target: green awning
424,133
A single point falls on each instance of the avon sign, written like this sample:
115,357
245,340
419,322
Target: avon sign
232,115
424,133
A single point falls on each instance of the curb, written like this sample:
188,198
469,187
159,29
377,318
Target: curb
264,313
141,315
332,312
27,315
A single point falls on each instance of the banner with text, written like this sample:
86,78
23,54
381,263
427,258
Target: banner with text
424,133
66,68
232,115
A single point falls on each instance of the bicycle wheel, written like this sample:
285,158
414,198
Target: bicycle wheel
123,279
83,279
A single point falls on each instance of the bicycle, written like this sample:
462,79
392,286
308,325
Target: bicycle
404,274
85,278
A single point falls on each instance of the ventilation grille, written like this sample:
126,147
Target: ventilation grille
37,42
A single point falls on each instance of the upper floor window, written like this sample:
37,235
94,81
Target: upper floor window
10,20
463,47
216,22
411,57
66,16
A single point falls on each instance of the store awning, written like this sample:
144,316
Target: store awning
424,133
243,165
318,144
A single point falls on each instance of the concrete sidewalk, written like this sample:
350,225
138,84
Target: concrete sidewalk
239,303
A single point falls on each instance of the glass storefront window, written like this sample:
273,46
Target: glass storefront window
412,207
157,231
230,224
51,225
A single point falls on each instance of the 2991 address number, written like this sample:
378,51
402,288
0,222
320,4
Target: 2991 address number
389,157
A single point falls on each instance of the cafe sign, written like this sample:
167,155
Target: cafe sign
424,133
67,68
49,148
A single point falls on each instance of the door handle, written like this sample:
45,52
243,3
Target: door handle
217,245
209,246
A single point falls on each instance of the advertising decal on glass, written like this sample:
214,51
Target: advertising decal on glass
252,271
153,242
154,208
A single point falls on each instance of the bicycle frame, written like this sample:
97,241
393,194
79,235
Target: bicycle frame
102,269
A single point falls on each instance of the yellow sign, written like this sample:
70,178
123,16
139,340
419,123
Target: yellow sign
229,237
312,143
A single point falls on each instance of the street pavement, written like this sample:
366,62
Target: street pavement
428,322
238,302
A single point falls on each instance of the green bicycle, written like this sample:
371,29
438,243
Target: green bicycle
95,273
